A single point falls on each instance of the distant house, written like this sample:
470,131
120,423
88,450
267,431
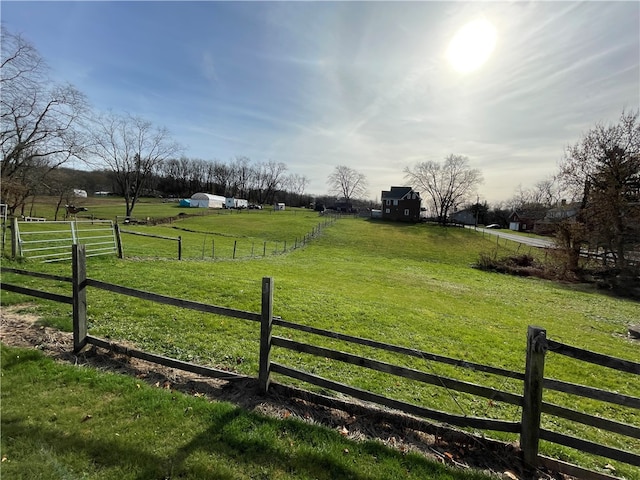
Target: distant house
401,204
207,200
278,206
464,217
563,211
524,220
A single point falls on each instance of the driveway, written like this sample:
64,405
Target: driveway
534,242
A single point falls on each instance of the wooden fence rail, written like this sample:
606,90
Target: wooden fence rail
277,321
538,346
404,372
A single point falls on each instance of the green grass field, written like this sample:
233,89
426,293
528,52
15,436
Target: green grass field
63,422
411,285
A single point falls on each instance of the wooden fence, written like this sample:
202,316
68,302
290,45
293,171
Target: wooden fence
530,401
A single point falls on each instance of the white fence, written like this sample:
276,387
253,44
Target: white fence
51,241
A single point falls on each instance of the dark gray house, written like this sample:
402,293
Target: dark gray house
401,204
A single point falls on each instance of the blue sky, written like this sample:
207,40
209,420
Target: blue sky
363,84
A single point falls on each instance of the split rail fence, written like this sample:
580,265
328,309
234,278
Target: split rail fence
530,401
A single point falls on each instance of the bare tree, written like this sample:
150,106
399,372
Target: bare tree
603,171
222,177
39,120
347,183
448,184
296,185
269,177
133,149
243,172
60,184
545,193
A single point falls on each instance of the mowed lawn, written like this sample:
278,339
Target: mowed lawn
410,285
66,422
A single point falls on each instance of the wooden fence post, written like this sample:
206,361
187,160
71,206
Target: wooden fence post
532,401
265,333
79,287
179,247
116,227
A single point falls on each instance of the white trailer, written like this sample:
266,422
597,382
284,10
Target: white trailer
231,202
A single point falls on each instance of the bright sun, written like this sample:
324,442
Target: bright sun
472,46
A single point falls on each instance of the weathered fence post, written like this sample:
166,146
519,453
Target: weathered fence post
179,247
532,401
79,288
116,227
265,333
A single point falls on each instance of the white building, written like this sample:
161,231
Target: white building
207,200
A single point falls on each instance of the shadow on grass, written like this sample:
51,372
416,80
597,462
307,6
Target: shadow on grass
228,442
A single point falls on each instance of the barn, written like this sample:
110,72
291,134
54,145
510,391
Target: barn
207,200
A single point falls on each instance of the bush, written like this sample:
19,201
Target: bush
521,265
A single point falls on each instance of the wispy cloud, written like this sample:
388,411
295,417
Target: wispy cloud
208,67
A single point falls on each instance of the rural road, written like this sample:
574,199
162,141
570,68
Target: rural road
534,242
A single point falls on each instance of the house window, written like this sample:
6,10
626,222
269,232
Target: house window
406,212
387,210
395,203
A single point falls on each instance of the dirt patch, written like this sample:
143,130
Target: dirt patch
353,419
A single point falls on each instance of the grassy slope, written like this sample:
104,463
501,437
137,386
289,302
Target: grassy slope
404,284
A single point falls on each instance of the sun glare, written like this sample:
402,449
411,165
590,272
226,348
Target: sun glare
472,46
